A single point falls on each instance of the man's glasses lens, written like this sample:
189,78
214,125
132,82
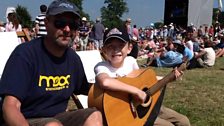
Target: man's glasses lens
62,23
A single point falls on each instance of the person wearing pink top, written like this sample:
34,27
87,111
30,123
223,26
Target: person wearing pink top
135,32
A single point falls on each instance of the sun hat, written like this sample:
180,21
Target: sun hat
61,6
119,33
128,20
84,19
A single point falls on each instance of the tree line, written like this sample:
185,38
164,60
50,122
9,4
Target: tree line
111,13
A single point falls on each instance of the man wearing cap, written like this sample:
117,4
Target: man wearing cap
36,90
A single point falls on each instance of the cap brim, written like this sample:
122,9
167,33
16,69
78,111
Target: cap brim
113,36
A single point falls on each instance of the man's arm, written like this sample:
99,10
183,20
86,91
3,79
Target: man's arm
11,112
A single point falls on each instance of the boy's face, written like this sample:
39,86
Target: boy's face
116,51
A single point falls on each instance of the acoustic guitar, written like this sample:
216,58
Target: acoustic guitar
119,109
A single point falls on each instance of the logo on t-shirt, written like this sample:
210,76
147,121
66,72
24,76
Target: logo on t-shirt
52,83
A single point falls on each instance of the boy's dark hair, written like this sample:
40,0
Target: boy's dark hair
43,8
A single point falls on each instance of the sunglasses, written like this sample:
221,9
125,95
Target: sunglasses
61,23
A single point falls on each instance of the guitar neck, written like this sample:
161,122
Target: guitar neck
168,78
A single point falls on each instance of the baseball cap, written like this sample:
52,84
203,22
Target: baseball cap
61,6
119,33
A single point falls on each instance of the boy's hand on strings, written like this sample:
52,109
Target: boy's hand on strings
140,96
178,74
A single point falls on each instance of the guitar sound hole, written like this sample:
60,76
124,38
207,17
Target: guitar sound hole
142,111
148,97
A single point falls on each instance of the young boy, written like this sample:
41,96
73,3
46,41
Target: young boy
116,47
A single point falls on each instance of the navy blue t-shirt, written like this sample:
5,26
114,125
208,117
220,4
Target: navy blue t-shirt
42,82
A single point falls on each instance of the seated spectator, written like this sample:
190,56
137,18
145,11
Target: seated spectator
220,48
75,44
206,57
90,45
144,47
165,56
186,52
147,48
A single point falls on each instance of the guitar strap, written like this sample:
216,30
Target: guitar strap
155,111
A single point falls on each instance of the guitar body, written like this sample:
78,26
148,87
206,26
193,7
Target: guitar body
115,106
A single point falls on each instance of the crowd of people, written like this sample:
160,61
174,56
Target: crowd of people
205,43
50,70
170,46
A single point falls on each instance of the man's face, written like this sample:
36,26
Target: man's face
60,28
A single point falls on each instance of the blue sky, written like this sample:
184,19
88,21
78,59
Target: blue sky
142,12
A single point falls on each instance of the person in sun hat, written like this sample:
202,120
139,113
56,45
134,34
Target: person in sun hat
128,26
49,73
84,31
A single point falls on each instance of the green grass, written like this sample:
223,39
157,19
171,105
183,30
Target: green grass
199,95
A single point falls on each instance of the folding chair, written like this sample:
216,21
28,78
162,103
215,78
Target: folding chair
24,34
89,59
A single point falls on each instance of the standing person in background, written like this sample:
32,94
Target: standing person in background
40,28
134,37
84,31
135,32
98,31
14,25
128,26
49,73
